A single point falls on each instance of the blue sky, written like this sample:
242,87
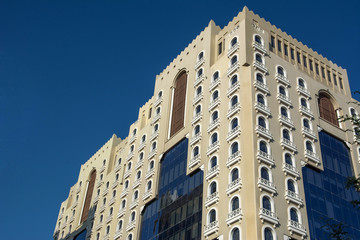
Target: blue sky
66,67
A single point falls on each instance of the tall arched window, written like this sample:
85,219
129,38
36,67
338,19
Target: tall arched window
260,99
258,58
234,101
282,90
286,134
284,112
213,162
280,71
233,80
309,146
291,185
288,159
235,234
263,146
215,95
235,204
212,216
212,188
327,110
215,76
215,116
178,108
196,151
264,173
214,138
259,77
294,215
234,123
234,174
88,196
233,41
268,234
262,122
266,203
233,60
234,148
258,39
196,130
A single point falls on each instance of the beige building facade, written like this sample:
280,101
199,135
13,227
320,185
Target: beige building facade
251,103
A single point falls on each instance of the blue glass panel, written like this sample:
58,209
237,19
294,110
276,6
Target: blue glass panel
81,236
326,196
177,212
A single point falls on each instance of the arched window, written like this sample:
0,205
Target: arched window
233,80
268,234
235,204
111,211
158,110
282,90
197,129
126,185
212,216
264,173
134,132
114,193
97,236
234,123
234,174
151,165
132,217
213,162
214,138
263,147
156,128
129,166
123,204
141,156
301,83
132,148
104,162
101,218
120,225
215,76
153,146
130,237
200,72
148,186
286,134
259,77
198,91
233,60
291,185
303,103
235,234
309,146
200,56
262,122
288,159
178,107
234,101
104,201
138,175
294,215
284,112
234,148
196,151
197,109
280,71
159,94
233,41
258,58
212,188
215,116
327,110
215,95
258,39
88,196
306,123
353,112
260,99
143,138
266,203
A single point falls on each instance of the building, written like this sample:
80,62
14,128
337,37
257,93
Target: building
241,140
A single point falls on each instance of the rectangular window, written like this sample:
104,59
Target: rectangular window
311,65
334,77
305,61
317,68
329,76
286,50
220,48
279,45
292,52
323,72
298,57
272,43
341,83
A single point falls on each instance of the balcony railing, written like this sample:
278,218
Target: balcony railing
213,198
264,132
309,155
156,118
214,104
288,144
199,63
233,88
98,226
282,79
234,216
139,163
150,173
282,98
211,228
141,146
265,184
134,203
286,121
154,135
214,124
131,225
303,91
293,197
152,153
233,49
261,86
308,133
196,118
234,158
214,84
118,167
233,109
124,192
158,101
102,208
121,212
213,147
198,98
112,201
260,66
265,158
199,79
109,218
296,227
212,172
233,133
136,183
129,156
306,111
234,186
147,194
195,138
102,169
105,192
260,107
259,47
127,173
291,170
194,161
132,139
269,216
234,67
118,234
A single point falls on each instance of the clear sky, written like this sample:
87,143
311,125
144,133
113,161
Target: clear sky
72,73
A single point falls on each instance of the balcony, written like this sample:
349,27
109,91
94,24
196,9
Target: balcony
212,172
234,216
134,204
233,88
214,104
234,186
306,111
196,118
136,183
147,194
282,79
194,161
150,173
195,138
99,184
259,47
233,109
199,79
234,158
287,144
210,200
233,68
214,84
141,146
303,91
102,169
132,139
261,87
293,197
121,212
311,156
152,153
291,170
260,66
127,173
296,227
233,49
269,216
158,101
213,147
96,199
214,124
124,192
78,189
112,201
199,63
131,225
154,135
118,167
139,164
198,98
129,156
211,228
259,107
284,99
99,226
72,218
235,132
156,118
102,208
109,218
286,121
265,184
118,234
263,132
105,192
307,132
74,204
265,157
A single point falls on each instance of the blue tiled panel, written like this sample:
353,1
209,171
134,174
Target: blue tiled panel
176,213
326,196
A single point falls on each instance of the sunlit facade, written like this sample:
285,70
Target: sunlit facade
241,140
